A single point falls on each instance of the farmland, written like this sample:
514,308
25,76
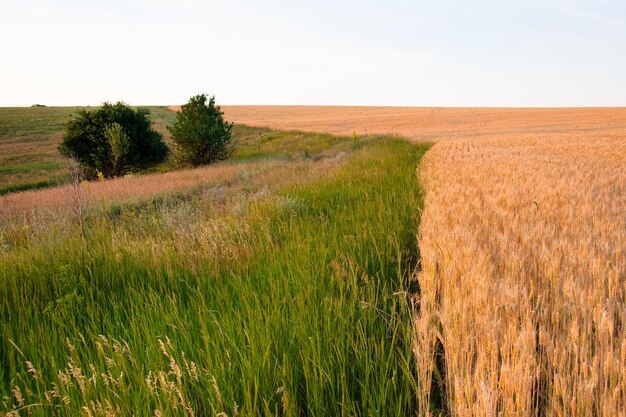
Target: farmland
431,124
523,246
321,272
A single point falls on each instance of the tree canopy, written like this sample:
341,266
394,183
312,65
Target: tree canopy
200,132
113,139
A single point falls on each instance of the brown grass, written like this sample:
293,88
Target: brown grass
243,176
118,190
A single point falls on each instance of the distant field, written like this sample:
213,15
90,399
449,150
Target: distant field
429,123
29,137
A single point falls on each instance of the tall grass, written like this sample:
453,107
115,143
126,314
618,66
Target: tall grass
286,297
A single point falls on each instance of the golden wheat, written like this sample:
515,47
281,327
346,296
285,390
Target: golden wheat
428,123
523,245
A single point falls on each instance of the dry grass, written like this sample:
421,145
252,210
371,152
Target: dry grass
121,189
211,179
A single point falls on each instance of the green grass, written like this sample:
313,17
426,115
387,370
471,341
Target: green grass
25,186
30,121
291,301
33,166
29,138
261,143
30,174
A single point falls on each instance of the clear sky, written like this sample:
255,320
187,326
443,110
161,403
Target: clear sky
395,52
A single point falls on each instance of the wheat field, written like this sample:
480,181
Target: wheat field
430,124
524,259
523,245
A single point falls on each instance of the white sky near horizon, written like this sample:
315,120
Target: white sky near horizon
398,52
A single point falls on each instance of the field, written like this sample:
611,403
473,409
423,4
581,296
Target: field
523,245
523,250
276,283
348,272
430,124
29,158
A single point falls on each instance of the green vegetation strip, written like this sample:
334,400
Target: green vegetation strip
34,166
297,307
27,186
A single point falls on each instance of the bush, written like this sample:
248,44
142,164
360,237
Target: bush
200,132
120,143
112,140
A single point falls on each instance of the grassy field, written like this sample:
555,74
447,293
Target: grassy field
29,137
275,284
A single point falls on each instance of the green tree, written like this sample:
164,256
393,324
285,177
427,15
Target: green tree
120,143
200,132
93,139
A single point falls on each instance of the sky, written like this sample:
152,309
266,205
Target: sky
514,53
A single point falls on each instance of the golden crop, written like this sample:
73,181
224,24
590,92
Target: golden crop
523,245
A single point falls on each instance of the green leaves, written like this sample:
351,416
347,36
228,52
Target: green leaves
201,134
112,139
119,143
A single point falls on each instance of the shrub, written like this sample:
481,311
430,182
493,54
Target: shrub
200,132
119,143
112,139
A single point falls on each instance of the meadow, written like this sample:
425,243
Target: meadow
275,284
